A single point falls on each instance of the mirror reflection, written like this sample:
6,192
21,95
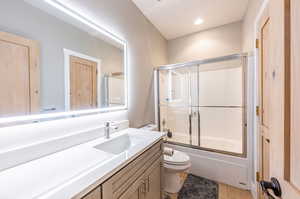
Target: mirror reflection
53,63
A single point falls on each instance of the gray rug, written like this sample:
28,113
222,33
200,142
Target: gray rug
199,188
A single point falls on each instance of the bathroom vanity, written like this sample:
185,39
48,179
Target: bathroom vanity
141,178
128,165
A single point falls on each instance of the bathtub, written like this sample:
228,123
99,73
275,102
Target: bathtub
209,142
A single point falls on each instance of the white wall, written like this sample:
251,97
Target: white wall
215,42
248,25
249,37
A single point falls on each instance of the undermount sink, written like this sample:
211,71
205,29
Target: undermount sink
119,144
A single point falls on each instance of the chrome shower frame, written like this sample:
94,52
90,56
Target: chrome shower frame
244,58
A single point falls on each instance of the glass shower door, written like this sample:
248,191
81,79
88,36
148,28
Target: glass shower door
221,106
203,106
177,115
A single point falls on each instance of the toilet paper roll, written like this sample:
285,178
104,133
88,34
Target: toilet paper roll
168,151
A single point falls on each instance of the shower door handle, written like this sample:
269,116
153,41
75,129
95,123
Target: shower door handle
190,123
190,126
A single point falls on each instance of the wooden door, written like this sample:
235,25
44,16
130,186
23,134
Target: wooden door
83,83
284,114
19,75
265,71
292,169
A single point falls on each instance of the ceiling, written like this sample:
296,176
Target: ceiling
175,18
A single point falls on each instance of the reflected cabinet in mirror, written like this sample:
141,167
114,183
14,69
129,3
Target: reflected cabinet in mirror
54,60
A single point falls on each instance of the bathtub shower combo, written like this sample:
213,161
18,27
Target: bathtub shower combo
202,104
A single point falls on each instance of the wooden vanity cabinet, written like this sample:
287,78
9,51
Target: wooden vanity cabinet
94,194
139,179
148,186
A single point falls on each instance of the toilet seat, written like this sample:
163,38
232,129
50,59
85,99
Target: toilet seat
177,159
177,168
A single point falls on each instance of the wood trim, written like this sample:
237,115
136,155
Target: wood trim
287,89
263,19
4,36
34,77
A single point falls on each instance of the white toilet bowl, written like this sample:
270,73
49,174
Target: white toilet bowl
174,165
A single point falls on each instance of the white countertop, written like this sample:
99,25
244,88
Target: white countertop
64,174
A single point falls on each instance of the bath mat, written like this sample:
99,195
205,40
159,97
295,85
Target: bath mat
199,188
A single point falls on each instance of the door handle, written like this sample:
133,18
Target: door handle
142,188
273,185
147,184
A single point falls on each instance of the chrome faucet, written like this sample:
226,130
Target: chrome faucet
107,129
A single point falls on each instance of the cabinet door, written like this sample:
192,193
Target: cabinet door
136,191
95,194
153,183
137,194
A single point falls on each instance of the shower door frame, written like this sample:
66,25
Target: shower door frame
243,57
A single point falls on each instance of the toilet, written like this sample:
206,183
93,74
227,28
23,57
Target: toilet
174,166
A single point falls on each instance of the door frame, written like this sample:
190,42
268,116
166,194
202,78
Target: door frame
257,112
263,20
67,54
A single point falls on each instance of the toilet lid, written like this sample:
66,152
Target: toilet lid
178,158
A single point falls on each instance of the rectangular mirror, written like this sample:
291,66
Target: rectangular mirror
54,60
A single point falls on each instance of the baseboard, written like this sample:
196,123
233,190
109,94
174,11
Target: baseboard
254,190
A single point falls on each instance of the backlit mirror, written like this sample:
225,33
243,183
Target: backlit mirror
53,60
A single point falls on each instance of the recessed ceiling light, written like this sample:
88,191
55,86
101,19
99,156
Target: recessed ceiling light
198,21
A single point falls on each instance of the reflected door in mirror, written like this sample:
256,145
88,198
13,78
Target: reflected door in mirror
44,78
83,83
19,75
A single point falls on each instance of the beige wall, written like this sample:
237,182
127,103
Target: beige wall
147,48
220,41
248,25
